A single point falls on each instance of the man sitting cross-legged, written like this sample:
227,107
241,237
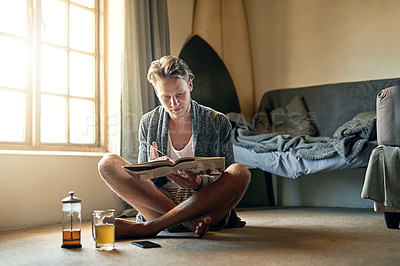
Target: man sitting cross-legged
180,127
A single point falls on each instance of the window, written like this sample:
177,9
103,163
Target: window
50,75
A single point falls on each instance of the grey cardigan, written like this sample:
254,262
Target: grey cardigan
211,133
211,137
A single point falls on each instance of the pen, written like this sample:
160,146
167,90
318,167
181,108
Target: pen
163,154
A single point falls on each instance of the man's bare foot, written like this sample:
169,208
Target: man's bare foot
199,226
202,227
130,229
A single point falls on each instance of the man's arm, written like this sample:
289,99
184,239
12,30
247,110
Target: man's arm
142,155
226,141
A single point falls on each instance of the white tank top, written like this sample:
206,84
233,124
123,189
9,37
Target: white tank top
171,187
187,151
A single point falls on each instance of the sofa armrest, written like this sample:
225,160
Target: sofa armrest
388,116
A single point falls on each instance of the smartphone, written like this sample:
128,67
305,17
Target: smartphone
146,244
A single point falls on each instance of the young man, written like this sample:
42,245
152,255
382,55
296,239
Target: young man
179,127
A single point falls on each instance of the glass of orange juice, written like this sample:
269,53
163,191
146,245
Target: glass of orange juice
103,229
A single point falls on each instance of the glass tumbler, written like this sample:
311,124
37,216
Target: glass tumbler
103,229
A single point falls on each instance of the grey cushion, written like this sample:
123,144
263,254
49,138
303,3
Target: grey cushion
388,116
293,119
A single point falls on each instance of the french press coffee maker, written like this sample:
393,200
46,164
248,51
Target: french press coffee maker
71,221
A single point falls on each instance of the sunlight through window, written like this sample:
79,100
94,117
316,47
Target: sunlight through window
12,63
12,116
13,17
54,23
54,74
53,119
82,121
49,65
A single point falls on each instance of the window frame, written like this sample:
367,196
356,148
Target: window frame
33,92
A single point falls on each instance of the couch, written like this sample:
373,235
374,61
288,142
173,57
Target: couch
306,130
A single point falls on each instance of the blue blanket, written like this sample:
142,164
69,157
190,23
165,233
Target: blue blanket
348,141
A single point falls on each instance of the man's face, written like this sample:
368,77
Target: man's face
174,96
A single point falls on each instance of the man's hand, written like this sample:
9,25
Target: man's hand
189,180
154,153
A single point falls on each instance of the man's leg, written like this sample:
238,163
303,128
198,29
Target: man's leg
207,206
211,203
141,194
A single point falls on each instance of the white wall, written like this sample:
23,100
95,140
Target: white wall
32,187
309,42
180,16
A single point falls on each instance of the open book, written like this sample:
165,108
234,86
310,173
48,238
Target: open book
196,165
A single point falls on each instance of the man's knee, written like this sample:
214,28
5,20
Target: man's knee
108,163
240,172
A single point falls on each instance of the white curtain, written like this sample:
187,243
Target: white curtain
146,37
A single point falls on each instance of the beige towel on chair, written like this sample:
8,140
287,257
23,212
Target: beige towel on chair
382,179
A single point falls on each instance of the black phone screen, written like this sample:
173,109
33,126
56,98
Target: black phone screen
146,244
